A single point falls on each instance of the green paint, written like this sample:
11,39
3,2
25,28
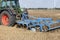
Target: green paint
12,4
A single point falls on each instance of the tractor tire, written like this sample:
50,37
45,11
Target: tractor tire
7,19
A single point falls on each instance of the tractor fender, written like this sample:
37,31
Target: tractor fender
9,10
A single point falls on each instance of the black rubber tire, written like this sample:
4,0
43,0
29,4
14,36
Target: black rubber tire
12,18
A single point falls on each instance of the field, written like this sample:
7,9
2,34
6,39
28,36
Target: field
13,33
55,14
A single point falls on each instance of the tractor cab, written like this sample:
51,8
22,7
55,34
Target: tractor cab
9,3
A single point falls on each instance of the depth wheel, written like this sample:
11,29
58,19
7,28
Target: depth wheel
45,29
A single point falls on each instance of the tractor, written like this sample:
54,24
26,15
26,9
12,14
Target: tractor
9,11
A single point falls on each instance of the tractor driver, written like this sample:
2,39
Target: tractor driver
24,15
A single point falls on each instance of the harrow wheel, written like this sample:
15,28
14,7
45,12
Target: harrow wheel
45,29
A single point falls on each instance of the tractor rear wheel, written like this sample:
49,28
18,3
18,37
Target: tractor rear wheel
7,19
